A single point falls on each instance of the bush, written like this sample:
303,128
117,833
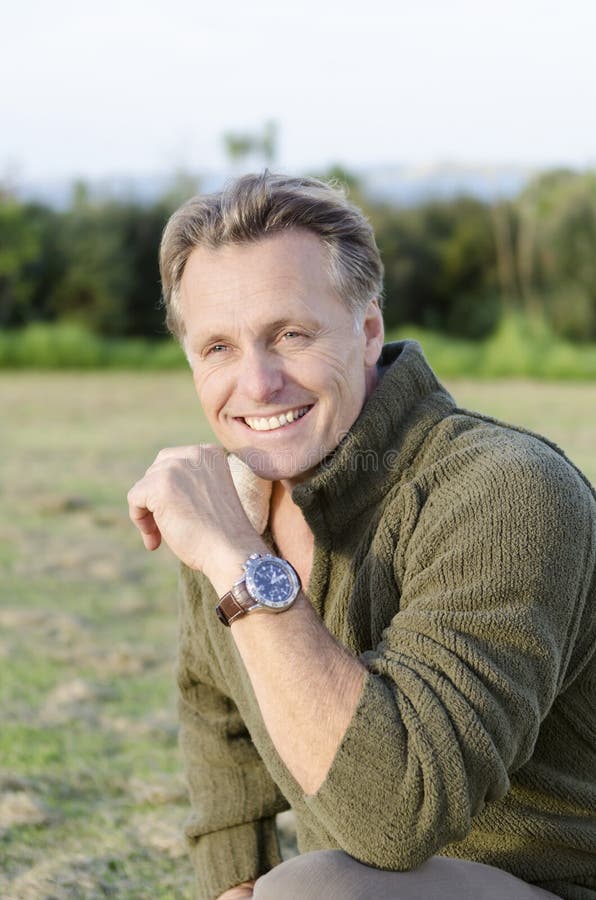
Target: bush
71,346
572,312
521,347
48,346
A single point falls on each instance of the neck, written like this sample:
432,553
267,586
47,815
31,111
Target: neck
281,497
371,381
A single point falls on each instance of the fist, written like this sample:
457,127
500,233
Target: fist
187,498
241,892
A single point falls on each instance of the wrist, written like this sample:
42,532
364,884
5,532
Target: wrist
268,584
301,610
226,567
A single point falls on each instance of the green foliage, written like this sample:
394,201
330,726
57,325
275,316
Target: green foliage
440,261
111,278
520,347
557,250
47,346
571,309
70,345
440,266
97,274
94,264
20,249
241,146
456,266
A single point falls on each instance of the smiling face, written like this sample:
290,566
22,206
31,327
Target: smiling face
280,368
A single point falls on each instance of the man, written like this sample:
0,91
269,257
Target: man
424,701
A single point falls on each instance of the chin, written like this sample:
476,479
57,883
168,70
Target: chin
265,466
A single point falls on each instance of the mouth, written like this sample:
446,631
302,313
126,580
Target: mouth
275,423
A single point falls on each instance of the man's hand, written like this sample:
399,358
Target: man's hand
187,498
240,892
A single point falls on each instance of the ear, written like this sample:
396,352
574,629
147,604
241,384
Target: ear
374,333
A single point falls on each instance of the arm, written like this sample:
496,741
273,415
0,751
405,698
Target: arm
307,686
495,584
231,833
196,510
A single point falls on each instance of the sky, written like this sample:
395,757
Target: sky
150,86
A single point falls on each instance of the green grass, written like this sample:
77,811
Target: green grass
91,797
87,640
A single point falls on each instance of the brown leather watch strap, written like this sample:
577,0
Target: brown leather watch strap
234,604
229,609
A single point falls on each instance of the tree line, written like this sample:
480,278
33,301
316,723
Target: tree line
453,265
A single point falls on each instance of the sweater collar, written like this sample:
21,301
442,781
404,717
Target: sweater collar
406,402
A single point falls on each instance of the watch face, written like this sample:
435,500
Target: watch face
272,582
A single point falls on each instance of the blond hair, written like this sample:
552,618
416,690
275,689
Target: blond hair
257,206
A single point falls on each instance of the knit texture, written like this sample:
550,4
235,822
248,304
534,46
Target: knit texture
455,556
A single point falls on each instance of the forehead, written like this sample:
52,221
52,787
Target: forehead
242,289
292,263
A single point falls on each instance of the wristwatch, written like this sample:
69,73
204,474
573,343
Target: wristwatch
269,584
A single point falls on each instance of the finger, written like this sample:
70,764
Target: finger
147,525
188,451
143,519
152,541
194,455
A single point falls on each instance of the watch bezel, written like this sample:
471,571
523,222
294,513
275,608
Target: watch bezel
252,565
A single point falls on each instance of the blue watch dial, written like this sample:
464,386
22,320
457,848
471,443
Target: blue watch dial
272,582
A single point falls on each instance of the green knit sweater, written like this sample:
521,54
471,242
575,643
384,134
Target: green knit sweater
455,556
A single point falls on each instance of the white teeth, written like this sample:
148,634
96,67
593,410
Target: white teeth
262,424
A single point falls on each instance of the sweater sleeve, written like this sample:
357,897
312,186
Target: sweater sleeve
495,578
231,833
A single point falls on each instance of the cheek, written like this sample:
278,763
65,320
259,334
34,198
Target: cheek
211,394
341,379
341,395
325,369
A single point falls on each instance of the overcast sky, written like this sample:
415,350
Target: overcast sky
144,86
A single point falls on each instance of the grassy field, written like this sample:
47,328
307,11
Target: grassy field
91,795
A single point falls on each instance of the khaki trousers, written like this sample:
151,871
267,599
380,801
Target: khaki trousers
333,875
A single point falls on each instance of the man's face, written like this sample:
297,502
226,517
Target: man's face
279,366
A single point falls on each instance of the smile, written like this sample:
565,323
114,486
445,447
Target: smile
274,422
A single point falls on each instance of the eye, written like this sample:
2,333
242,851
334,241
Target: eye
291,334
215,348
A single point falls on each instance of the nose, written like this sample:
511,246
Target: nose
261,376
